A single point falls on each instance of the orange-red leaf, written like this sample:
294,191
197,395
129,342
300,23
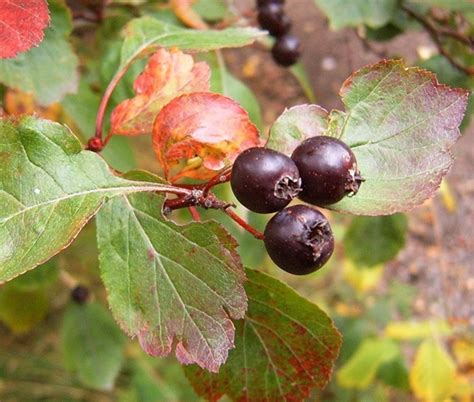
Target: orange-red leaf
184,11
205,129
167,75
22,25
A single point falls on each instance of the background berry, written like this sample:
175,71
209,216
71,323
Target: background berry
273,18
264,180
299,239
286,50
80,294
328,170
261,3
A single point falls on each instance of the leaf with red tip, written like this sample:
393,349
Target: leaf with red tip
401,124
208,130
167,75
22,25
284,347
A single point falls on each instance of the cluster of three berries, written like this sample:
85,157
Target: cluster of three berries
272,17
321,171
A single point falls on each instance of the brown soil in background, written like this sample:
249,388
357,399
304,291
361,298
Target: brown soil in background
439,256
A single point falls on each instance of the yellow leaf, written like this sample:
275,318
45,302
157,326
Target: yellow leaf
432,376
463,351
447,197
362,279
19,103
406,330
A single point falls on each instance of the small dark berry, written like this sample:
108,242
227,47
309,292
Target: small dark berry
286,50
264,180
328,170
80,294
299,239
95,144
262,3
273,18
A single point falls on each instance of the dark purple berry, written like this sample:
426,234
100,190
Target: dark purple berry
286,50
299,239
264,180
273,18
80,294
262,3
328,170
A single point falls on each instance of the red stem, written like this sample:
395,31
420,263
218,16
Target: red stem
236,218
105,100
222,177
194,213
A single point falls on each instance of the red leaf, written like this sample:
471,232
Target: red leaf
209,130
167,75
22,25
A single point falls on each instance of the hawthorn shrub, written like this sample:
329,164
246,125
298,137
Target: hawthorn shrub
102,249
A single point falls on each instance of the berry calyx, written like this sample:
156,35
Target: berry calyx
286,50
264,180
273,18
80,294
328,170
299,239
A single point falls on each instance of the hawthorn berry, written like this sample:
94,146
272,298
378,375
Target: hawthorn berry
264,180
273,18
261,3
299,239
328,170
286,50
95,144
80,294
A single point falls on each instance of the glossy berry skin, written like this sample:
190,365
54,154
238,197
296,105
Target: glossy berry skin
286,50
264,180
273,18
328,170
299,239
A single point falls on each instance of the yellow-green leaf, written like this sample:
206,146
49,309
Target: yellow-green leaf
405,330
432,376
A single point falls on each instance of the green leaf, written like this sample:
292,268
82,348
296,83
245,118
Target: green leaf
370,241
401,124
343,13
170,284
144,35
211,10
49,189
92,345
49,71
360,370
285,346
42,277
22,310
394,373
295,125
432,376
222,81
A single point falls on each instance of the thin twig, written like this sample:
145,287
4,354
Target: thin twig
434,34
